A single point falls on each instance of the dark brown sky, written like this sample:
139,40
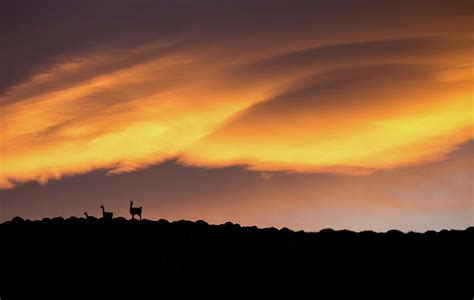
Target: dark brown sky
305,114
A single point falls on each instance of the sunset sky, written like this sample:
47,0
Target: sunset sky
300,114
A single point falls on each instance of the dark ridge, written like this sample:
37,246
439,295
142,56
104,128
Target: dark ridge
162,259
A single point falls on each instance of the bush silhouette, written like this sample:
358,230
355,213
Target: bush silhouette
189,259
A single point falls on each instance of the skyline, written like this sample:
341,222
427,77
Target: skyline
299,114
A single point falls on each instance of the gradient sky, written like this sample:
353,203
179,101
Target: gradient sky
304,114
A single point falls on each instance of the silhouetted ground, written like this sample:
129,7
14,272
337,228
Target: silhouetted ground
75,257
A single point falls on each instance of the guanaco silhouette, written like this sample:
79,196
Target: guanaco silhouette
89,217
106,215
135,211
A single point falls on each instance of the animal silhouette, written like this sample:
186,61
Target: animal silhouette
106,215
89,217
135,211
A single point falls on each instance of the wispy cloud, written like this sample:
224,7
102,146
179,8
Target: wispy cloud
272,91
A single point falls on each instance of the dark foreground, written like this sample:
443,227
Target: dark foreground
78,258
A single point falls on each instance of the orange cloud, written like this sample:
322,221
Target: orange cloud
372,119
269,102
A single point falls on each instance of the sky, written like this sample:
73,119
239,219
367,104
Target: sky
302,114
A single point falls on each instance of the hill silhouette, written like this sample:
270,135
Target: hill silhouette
150,259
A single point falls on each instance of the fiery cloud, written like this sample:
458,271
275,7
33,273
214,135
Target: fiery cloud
358,96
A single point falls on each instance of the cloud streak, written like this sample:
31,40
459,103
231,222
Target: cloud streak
273,91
